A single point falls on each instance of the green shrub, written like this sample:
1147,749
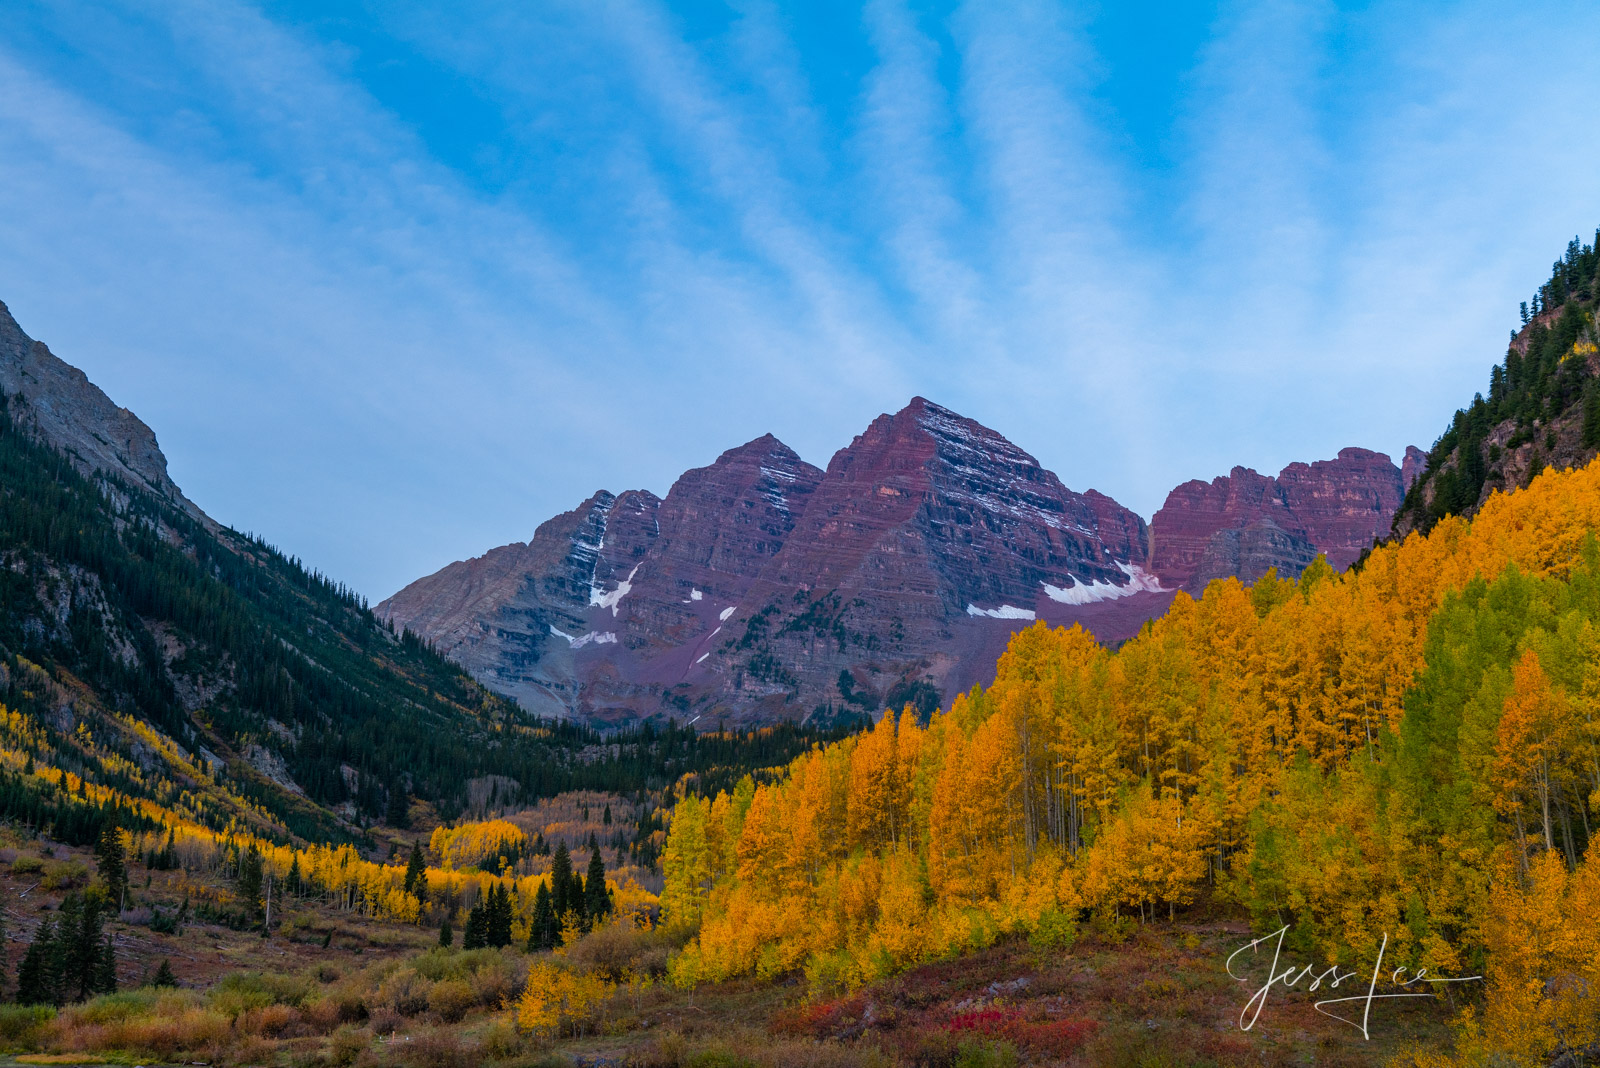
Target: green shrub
347,1044
20,1024
619,949
27,864
63,874
405,992
440,963
114,1008
242,991
717,1058
975,1054
451,999
1055,931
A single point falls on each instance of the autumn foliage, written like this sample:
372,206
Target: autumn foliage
1409,750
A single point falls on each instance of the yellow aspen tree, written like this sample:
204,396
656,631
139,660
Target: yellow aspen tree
685,863
1526,750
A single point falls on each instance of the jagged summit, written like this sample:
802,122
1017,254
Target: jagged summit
761,587
1245,522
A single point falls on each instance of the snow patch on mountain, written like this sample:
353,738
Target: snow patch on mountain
1139,581
612,599
592,638
1005,611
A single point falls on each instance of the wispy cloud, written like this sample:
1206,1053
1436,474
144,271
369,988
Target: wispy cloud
388,332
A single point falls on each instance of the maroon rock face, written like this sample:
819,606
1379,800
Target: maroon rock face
503,615
759,579
1244,523
762,588
1415,462
1343,504
719,527
932,513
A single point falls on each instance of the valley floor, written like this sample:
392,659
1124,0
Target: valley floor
1160,998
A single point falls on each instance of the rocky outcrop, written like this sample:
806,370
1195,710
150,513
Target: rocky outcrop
58,404
510,615
940,517
1540,408
612,584
719,528
759,580
1411,468
762,588
1245,522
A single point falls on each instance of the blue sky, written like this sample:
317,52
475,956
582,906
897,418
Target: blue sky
395,282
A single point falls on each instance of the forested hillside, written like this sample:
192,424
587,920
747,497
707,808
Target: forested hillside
1405,756
1542,406
149,652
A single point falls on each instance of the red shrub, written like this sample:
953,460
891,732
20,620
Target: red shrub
1053,1038
1058,1038
992,1022
820,1018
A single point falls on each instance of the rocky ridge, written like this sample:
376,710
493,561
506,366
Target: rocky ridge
1541,408
61,407
761,587
1243,523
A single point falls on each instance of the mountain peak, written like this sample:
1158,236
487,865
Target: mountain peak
759,582
61,407
767,446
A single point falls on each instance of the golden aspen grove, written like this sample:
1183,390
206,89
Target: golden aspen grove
1405,756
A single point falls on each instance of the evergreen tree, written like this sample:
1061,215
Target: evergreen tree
577,900
164,976
544,930
561,881
292,882
605,818
475,935
447,937
499,917
398,814
250,872
105,973
167,859
417,873
111,859
597,899
80,935
71,961
36,976
1591,413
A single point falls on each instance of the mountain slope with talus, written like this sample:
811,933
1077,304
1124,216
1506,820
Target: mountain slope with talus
761,588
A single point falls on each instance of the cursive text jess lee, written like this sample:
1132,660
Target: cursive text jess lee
1290,978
